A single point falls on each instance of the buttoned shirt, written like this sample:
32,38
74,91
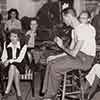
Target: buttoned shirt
18,59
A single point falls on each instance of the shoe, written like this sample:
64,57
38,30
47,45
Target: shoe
5,97
19,98
41,94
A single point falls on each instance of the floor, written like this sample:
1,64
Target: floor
27,95
26,90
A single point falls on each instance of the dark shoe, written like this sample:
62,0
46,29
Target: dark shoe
41,94
19,98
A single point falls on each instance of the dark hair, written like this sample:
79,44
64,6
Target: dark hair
87,12
13,10
16,31
34,19
20,34
72,11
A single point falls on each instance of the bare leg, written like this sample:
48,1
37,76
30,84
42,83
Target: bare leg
17,82
10,78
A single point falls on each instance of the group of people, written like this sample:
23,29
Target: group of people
14,50
79,55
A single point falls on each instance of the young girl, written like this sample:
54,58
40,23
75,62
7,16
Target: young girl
13,59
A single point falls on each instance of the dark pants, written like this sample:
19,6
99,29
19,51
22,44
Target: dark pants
56,68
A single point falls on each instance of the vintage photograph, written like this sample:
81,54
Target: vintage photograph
49,50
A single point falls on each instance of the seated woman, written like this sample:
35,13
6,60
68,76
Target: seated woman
13,58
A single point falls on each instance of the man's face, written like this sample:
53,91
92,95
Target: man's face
33,25
67,19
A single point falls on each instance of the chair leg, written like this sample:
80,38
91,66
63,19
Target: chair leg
32,84
81,86
64,87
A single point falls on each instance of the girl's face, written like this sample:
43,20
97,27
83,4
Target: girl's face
84,18
13,38
33,25
13,14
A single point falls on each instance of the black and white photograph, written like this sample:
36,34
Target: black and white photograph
49,50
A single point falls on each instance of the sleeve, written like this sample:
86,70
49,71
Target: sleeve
4,53
22,54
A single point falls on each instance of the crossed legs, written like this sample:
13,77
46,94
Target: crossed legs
13,75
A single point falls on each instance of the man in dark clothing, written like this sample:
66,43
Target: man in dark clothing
48,16
96,23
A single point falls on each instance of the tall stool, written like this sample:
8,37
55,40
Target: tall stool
71,87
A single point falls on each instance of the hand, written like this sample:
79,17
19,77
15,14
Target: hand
59,42
11,60
50,58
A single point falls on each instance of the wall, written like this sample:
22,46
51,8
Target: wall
25,7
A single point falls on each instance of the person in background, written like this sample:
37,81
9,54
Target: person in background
2,39
80,56
91,80
13,59
48,16
13,21
31,34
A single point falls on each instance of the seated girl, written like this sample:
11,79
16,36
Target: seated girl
13,58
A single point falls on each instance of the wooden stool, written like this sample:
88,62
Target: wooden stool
71,87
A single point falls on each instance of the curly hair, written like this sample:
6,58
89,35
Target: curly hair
13,10
20,34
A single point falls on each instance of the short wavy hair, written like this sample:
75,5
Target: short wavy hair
20,34
13,10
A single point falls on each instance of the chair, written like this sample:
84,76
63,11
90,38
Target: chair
71,87
27,76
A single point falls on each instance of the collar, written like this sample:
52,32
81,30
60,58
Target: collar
11,45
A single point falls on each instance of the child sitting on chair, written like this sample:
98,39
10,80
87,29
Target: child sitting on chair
13,59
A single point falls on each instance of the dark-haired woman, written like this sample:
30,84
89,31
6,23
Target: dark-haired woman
13,21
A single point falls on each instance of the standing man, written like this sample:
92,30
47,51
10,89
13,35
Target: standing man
80,55
48,16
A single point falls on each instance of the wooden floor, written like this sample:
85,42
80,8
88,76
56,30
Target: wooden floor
27,95
26,90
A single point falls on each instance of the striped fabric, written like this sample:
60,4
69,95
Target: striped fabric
27,76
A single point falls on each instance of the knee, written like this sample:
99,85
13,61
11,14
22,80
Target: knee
12,68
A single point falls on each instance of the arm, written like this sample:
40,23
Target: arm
73,52
4,53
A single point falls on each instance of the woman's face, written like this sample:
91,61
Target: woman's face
13,14
13,38
84,18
